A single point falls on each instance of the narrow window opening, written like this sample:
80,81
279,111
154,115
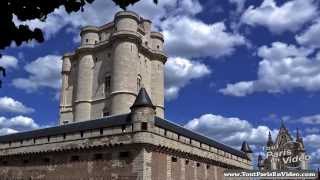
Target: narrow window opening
21,142
165,132
158,47
101,131
98,156
198,164
138,83
144,126
81,134
34,140
64,136
96,59
75,158
187,162
190,141
123,128
208,166
107,84
123,155
146,43
174,159
10,143
48,138
87,40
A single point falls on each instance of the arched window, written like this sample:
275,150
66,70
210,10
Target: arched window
138,82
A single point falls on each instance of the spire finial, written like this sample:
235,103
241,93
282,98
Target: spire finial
282,124
270,141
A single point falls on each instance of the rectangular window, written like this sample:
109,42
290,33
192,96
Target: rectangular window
144,126
174,159
107,85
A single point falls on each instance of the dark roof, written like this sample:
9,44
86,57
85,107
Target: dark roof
142,100
201,138
245,147
69,128
118,120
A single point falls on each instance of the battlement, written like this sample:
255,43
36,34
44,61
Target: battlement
118,130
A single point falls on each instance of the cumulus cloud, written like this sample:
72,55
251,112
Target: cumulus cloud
230,130
312,120
189,37
8,62
312,140
16,124
290,16
307,38
8,104
179,72
43,72
283,68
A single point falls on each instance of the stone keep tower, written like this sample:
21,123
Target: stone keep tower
103,76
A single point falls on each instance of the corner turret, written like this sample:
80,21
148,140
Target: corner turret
143,112
246,149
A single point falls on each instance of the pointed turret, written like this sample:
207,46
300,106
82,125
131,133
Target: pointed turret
282,125
245,147
299,138
142,100
270,141
143,112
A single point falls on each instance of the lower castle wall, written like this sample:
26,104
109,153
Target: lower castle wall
116,163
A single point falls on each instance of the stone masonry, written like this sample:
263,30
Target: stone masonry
110,128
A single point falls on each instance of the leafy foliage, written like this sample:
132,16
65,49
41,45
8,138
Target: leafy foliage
35,9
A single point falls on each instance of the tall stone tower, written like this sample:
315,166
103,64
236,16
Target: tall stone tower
103,76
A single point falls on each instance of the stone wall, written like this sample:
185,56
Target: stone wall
116,163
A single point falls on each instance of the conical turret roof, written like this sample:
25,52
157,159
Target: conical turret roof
142,100
245,147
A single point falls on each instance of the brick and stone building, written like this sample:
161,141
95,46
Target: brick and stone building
112,122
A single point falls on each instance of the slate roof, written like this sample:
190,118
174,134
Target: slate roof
142,100
118,120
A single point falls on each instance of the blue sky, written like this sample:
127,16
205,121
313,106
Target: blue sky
235,67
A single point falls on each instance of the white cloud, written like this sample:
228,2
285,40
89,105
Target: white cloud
230,130
283,68
188,37
43,72
8,62
179,72
312,140
313,120
308,37
290,16
16,124
8,104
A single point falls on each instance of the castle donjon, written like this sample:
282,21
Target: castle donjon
112,123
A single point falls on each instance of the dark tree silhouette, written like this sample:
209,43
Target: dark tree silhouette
35,9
